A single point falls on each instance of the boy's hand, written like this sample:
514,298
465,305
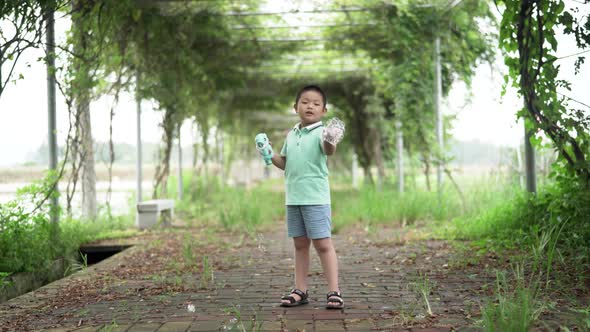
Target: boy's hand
333,135
334,131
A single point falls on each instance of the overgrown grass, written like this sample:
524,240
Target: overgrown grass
516,304
29,241
490,210
551,230
519,221
368,206
236,208
233,208
29,245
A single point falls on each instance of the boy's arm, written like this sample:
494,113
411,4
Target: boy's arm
279,161
329,149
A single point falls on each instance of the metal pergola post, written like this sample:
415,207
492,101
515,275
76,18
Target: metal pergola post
400,154
138,197
355,172
180,187
438,114
51,104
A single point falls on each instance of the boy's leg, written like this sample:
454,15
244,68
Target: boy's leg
318,224
302,244
296,230
329,261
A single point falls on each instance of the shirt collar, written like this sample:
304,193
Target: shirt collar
308,127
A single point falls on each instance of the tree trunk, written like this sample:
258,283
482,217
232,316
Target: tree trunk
363,146
163,168
87,157
399,140
426,161
195,149
456,185
378,159
205,154
81,96
220,154
414,175
520,167
231,144
354,171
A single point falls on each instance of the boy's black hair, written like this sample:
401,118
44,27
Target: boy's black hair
311,88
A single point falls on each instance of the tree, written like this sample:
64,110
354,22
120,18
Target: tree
530,45
81,84
25,24
399,38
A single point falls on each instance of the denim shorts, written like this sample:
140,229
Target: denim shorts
313,221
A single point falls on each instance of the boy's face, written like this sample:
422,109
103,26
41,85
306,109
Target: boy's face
310,107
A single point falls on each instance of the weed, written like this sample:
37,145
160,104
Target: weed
154,244
207,276
109,328
178,281
163,298
157,278
4,281
82,312
124,305
76,266
188,251
512,309
424,286
174,265
582,318
543,250
406,315
236,323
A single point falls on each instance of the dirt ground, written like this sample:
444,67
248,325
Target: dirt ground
198,279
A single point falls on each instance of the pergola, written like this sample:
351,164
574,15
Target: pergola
290,31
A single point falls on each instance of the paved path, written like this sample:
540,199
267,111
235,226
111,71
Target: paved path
155,285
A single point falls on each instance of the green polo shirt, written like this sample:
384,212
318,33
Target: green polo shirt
306,171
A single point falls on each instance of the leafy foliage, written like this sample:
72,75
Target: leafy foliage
530,47
26,235
399,38
518,222
30,242
24,28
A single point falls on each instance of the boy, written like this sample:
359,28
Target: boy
304,159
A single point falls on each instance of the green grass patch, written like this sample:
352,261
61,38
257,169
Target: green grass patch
369,207
30,242
232,208
237,208
516,305
521,219
550,231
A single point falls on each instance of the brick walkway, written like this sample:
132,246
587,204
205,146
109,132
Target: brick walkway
380,280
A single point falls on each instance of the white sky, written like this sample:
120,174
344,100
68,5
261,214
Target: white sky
23,108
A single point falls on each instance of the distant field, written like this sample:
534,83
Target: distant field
31,173
240,170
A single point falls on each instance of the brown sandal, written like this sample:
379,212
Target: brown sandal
291,298
334,297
